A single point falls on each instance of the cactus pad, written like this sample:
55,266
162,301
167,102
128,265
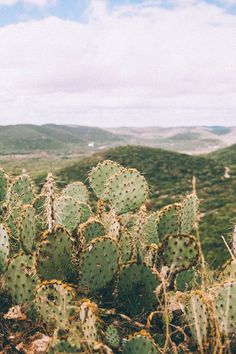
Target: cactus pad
22,278
168,220
100,175
150,232
76,190
112,336
55,303
89,319
126,191
69,212
187,280
140,344
225,299
27,228
179,252
4,247
189,213
126,246
91,229
3,186
22,190
54,257
136,286
99,263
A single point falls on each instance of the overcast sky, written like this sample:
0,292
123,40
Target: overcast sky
118,62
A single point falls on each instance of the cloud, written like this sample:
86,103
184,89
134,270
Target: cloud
29,2
133,65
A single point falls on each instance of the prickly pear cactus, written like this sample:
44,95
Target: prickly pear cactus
22,190
3,187
198,319
150,231
27,228
90,321
99,263
54,255
179,252
169,220
22,278
225,299
112,337
100,175
126,246
126,191
67,340
76,190
91,229
228,272
69,212
136,286
55,303
187,280
189,213
140,343
4,247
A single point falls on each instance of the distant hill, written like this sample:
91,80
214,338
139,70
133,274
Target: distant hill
191,140
226,156
29,139
169,175
67,140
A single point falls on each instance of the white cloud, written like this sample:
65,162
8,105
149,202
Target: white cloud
134,65
29,2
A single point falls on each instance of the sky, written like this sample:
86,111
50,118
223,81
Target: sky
115,63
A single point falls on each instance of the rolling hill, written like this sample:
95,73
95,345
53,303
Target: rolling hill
169,175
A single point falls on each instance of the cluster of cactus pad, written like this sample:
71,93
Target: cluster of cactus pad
117,278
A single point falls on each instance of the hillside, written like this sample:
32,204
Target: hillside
226,156
169,175
28,139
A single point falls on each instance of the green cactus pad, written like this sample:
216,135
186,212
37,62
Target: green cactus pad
136,286
55,303
67,340
27,228
150,232
54,256
228,272
100,175
99,263
169,220
91,229
179,252
187,280
69,212
111,223
126,246
189,213
4,247
3,186
140,344
22,278
22,190
76,190
12,220
126,191
225,300
112,337
197,316
90,321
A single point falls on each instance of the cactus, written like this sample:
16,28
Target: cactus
228,272
100,175
4,181
126,246
22,190
179,252
76,190
49,190
140,343
198,319
67,340
136,286
189,213
150,231
90,321
187,280
225,299
4,247
112,337
22,278
68,212
90,230
55,303
54,255
126,191
27,229
99,263
169,220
